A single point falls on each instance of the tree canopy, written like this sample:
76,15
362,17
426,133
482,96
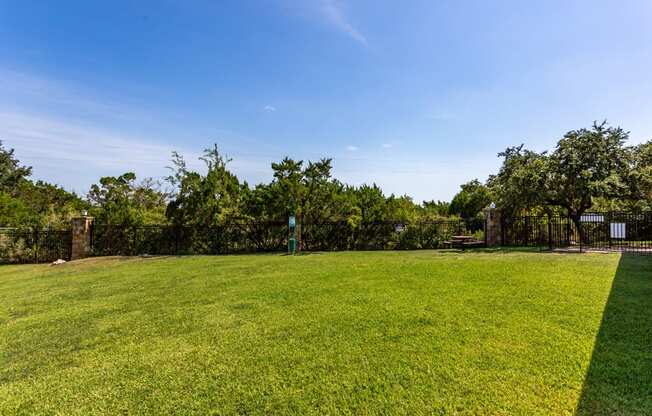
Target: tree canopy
590,168
24,202
471,200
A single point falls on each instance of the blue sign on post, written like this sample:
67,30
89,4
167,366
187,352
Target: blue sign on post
292,222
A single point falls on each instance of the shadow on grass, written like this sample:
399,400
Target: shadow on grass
619,378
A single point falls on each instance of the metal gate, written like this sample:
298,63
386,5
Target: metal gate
615,231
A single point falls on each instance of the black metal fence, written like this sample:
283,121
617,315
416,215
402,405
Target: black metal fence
387,235
111,240
34,245
616,231
248,237
631,232
537,231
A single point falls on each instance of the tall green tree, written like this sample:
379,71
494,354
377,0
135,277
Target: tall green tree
209,199
517,187
11,171
299,187
121,200
371,203
587,164
471,200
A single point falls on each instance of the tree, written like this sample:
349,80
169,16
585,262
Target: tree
15,213
518,184
586,164
639,178
53,205
122,200
435,209
11,172
24,203
206,200
371,203
298,187
471,200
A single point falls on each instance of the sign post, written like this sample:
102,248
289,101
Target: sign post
292,242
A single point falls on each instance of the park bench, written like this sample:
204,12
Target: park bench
463,241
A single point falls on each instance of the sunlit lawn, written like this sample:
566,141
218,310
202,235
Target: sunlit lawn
420,332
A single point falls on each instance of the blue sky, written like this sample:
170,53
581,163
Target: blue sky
416,96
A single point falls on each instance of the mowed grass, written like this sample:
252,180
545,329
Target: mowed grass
340,333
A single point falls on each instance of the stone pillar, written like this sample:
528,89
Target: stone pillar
81,237
493,232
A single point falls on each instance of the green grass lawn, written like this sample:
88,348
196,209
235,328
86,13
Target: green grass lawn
419,332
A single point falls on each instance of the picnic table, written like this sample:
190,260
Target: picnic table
463,241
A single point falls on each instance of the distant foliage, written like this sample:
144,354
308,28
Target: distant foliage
590,168
25,203
123,200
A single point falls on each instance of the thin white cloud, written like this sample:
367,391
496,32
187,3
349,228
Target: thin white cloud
45,138
386,145
332,12
269,108
351,148
75,155
72,135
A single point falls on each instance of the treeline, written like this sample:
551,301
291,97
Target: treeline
590,169
216,196
212,197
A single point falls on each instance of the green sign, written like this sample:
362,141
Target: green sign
292,241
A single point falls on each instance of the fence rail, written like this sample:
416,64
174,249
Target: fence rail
34,245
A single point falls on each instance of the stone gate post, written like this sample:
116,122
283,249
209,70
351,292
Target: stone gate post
81,237
494,231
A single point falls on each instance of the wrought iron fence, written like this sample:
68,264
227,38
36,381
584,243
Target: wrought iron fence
386,235
617,231
248,237
555,231
34,245
107,240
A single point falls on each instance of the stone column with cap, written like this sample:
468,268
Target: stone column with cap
494,227
81,237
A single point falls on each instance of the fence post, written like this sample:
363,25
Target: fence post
493,227
81,237
36,245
